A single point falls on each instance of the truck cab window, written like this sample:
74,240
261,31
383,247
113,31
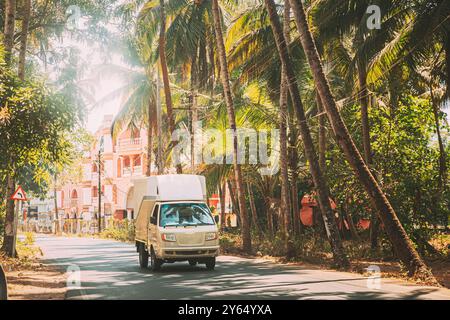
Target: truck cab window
154,217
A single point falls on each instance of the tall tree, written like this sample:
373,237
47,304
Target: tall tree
400,240
245,226
165,74
9,28
285,198
339,256
26,8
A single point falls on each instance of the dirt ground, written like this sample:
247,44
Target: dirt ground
41,283
29,279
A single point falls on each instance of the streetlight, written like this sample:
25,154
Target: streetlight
100,151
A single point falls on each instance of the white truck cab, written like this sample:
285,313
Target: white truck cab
174,222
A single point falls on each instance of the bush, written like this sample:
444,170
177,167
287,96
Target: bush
121,230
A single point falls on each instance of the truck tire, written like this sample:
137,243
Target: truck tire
211,263
155,263
143,256
192,263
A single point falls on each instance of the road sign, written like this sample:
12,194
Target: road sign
19,195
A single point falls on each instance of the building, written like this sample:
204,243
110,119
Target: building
122,159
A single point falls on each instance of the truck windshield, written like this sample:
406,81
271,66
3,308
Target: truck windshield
185,214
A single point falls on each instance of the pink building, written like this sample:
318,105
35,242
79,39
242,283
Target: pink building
122,160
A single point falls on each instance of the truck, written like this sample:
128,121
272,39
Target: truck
174,222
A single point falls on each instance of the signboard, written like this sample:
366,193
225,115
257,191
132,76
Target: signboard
19,195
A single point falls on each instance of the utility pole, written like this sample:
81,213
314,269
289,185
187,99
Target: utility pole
158,121
100,150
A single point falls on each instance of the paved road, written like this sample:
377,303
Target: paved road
109,270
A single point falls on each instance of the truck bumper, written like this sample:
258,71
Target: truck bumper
186,253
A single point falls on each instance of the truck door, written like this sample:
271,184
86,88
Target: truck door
153,225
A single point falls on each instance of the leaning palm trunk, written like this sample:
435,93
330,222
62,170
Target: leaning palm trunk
165,75
285,199
322,135
339,256
245,228
400,240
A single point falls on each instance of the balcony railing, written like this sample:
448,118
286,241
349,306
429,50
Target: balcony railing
129,144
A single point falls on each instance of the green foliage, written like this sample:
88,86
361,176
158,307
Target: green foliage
121,231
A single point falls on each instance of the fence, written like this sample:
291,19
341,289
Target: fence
70,226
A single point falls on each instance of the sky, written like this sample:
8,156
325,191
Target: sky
99,86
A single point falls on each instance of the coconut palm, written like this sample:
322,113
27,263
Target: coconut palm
400,240
318,178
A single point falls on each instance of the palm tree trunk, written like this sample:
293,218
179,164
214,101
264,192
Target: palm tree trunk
222,188
165,75
246,237
149,143
339,256
285,199
251,199
442,153
10,21
400,240
24,37
322,135
293,174
365,129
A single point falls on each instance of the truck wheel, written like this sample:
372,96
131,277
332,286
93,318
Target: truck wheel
143,256
155,263
211,263
192,263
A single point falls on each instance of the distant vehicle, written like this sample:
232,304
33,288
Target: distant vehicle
174,223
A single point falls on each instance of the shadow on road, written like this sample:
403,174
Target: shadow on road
109,270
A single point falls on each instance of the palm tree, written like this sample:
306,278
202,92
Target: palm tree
400,240
285,198
165,74
319,181
245,228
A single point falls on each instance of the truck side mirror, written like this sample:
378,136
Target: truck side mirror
216,218
152,220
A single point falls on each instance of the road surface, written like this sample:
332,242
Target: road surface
109,270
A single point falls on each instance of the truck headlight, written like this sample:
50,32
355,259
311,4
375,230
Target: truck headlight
168,237
211,236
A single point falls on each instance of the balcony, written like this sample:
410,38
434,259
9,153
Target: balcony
125,145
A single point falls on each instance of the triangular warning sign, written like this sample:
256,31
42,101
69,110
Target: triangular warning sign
19,195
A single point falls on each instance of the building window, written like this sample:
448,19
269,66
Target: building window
126,162
119,168
94,192
74,194
94,167
115,194
137,161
